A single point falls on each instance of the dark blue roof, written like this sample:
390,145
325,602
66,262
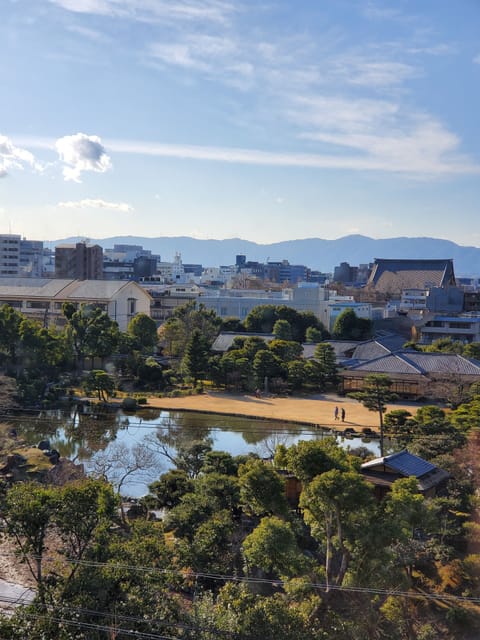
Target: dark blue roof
403,462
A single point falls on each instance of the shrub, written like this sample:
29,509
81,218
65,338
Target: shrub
129,404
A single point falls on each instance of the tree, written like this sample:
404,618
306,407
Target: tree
472,350
266,365
282,330
168,490
348,326
10,321
286,350
374,396
335,504
310,458
28,511
177,331
262,490
326,360
195,360
313,335
99,382
144,331
272,548
92,332
119,463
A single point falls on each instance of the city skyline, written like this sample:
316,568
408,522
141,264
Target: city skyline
221,119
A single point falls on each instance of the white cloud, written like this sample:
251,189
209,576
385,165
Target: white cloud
476,59
96,203
81,152
358,70
427,150
12,157
215,11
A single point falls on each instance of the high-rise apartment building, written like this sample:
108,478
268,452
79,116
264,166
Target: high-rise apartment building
31,258
80,261
9,255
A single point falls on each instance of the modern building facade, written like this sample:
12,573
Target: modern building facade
79,261
9,255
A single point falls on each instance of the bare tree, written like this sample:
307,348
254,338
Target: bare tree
120,463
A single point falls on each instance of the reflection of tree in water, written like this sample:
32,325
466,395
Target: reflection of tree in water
182,438
148,415
94,432
267,448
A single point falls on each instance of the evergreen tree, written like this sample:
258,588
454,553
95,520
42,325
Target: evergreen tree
195,360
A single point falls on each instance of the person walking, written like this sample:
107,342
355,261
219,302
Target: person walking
335,413
343,414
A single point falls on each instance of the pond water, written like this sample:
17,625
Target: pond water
93,437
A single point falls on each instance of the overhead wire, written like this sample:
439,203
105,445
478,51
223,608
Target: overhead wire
188,574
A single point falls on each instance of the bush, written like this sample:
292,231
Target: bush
142,400
129,404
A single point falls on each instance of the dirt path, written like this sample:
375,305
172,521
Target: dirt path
318,410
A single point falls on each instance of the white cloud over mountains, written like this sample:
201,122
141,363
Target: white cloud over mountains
81,152
96,203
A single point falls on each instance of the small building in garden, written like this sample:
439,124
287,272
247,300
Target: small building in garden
383,472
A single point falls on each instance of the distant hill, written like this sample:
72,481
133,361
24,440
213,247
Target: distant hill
313,252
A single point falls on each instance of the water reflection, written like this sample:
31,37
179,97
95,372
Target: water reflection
80,436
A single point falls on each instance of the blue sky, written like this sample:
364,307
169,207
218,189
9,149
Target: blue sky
266,120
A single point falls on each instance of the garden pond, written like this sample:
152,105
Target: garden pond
89,437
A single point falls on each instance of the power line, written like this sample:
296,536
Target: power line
250,580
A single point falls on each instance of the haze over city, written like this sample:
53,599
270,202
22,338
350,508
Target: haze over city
220,119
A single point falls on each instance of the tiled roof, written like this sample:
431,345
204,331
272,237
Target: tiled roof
392,276
392,363
224,340
95,289
443,363
32,287
421,363
378,347
344,348
58,288
403,462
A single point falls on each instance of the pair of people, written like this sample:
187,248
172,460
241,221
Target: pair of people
342,413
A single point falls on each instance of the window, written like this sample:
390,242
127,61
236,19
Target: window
131,306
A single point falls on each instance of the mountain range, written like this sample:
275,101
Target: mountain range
315,253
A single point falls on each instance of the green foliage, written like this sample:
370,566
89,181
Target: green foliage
348,326
129,404
282,330
285,350
195,360
143,330
262,490
176,332
168,490
99,382
445,345
472,350
266,365
91,331
375,395
272,547
326,362
336,504
310,458
262,319
314,335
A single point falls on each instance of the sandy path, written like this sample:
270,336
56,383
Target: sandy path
317,409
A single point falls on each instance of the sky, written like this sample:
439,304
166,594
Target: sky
266,120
